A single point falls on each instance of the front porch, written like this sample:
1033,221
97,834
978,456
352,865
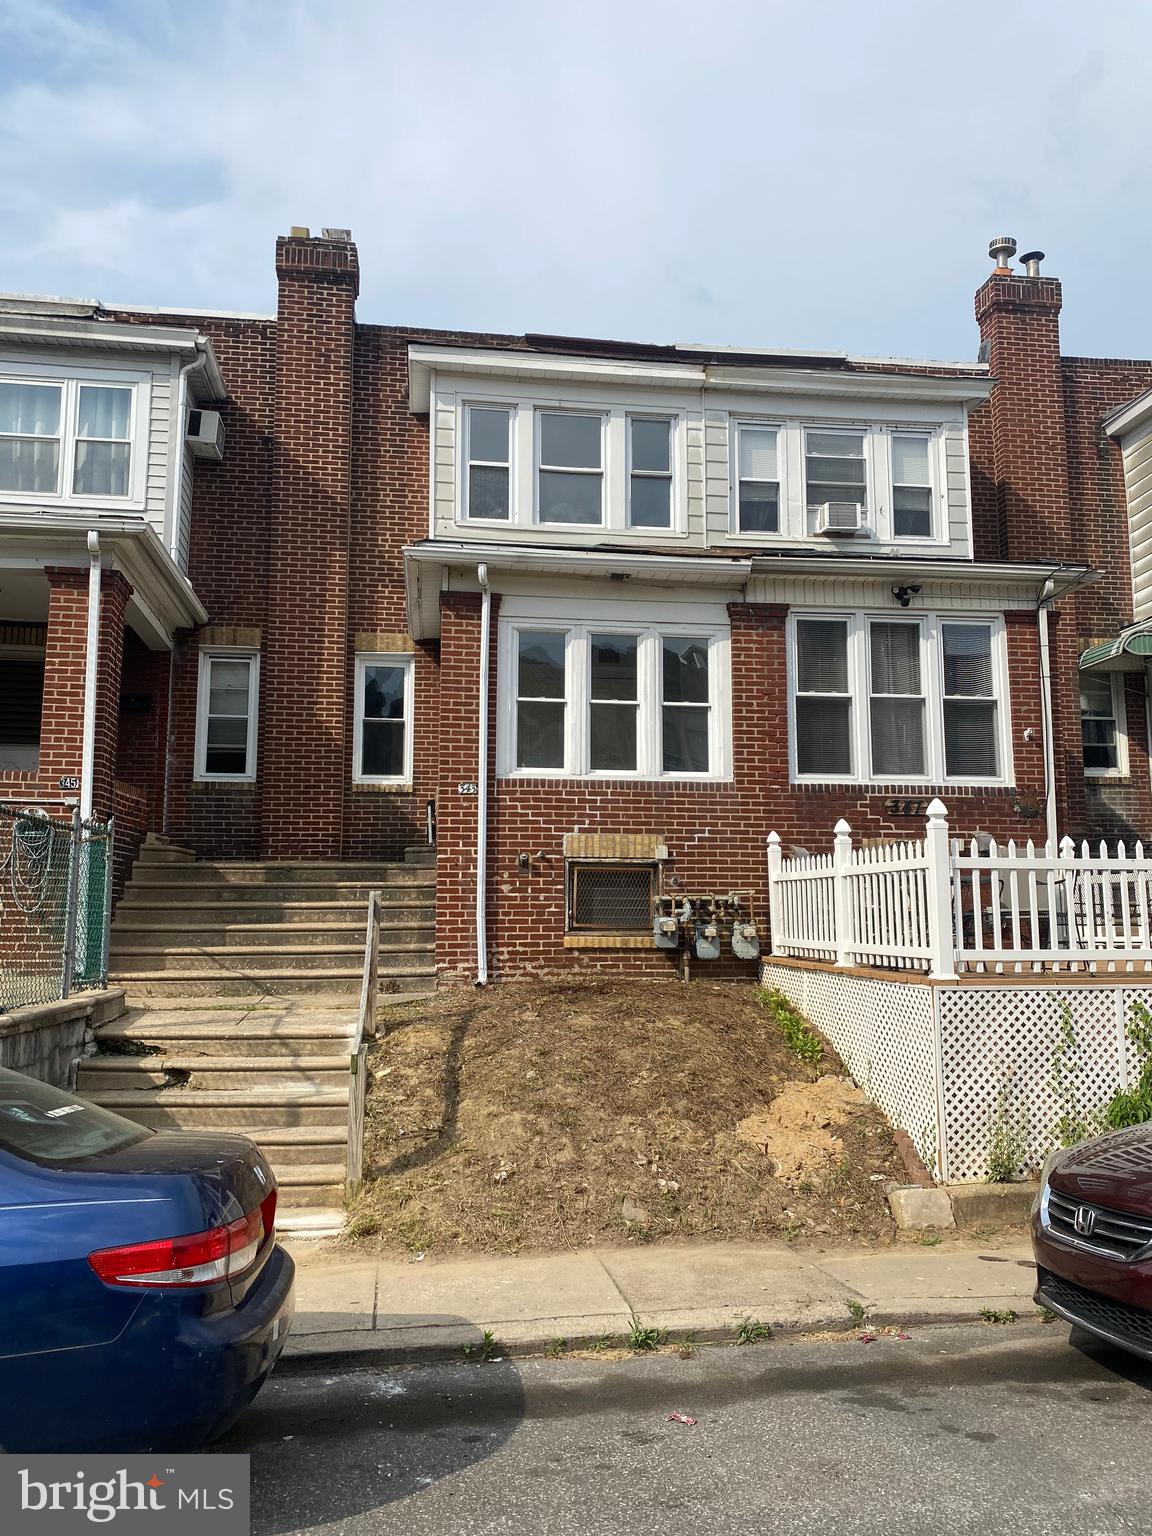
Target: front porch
977,993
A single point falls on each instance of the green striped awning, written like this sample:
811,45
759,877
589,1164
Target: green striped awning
1126,653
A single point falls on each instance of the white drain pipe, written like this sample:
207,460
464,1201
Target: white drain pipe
1047,724
482,784
91,661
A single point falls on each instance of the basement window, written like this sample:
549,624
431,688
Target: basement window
611,898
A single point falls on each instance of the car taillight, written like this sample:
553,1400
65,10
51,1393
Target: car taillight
199,1259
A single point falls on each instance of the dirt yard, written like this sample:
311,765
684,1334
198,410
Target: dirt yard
561,1114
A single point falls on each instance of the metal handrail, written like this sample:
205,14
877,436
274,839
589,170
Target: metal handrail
358,1060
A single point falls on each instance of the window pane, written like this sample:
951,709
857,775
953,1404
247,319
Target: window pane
910,461
541,664
895,658
225,760
569,498
911,512
104,412
898,736
613,738
572,441
685,739
836,471
823,735
685,670
1100,751
968,659
101,469
228,687
614,666
836,444
970,740
539,735
487,491
1096,694
759,508
650,444
383,692
30,410
651,503
29,464
382,749
227,732
821,657
758,457
820,491
488,435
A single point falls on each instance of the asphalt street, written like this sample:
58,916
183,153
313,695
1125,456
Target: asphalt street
976,1429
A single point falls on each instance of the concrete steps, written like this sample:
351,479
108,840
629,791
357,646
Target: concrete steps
242,984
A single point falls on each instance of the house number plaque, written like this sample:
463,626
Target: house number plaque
905,807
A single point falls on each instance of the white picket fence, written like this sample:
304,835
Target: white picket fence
935,906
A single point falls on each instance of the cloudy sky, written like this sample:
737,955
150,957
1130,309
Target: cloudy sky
822,173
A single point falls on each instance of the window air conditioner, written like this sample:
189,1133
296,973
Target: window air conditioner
205,434
840,518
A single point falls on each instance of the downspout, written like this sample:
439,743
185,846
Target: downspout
1047,727
91,659
482,784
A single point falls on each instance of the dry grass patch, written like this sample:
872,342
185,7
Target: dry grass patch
558,1114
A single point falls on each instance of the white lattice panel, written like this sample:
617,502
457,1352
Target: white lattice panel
883,1033
998,1039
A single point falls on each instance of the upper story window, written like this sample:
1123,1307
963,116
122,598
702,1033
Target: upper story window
881,699
650,472
792,479
70,439
631,701
570,468
488,440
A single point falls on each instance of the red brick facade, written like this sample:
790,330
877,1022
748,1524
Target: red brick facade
298,538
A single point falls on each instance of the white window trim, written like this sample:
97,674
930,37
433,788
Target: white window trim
796,524
654,529
463,511
228,653
524,449
601,474
1120,715
16,371
578,700
932,682
365,659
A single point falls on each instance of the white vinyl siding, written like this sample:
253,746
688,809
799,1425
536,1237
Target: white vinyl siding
1137,456
875,698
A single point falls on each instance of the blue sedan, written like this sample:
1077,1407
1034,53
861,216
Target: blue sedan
143,1296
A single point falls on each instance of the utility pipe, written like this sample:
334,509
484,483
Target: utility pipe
1051,834
482,783
91,659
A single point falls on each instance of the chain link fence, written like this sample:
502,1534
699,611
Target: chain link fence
55,905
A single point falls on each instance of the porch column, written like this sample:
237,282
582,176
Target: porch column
62,720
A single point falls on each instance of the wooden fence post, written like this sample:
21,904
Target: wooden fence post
841,910
941,939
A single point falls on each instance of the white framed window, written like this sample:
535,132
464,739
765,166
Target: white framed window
1103,725
757,499
226,715
614,700
876,698
382,746
835,467
488,456
75,438
650,471
912,487
570,468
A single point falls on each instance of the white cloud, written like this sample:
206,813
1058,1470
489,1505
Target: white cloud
820,174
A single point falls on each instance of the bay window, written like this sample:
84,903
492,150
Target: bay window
226,708
382,744
886,700
70,438
626,700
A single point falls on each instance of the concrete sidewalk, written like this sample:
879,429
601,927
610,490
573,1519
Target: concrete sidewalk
394,1310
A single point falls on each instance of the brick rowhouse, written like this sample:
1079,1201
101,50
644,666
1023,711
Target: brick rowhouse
297,550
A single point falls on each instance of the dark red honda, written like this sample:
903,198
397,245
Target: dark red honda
1092,1234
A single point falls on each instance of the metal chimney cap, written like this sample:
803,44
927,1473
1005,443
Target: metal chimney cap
1031,261
1001,248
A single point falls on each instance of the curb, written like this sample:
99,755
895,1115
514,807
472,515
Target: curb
916,1206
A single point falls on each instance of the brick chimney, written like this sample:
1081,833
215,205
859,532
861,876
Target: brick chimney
303,686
